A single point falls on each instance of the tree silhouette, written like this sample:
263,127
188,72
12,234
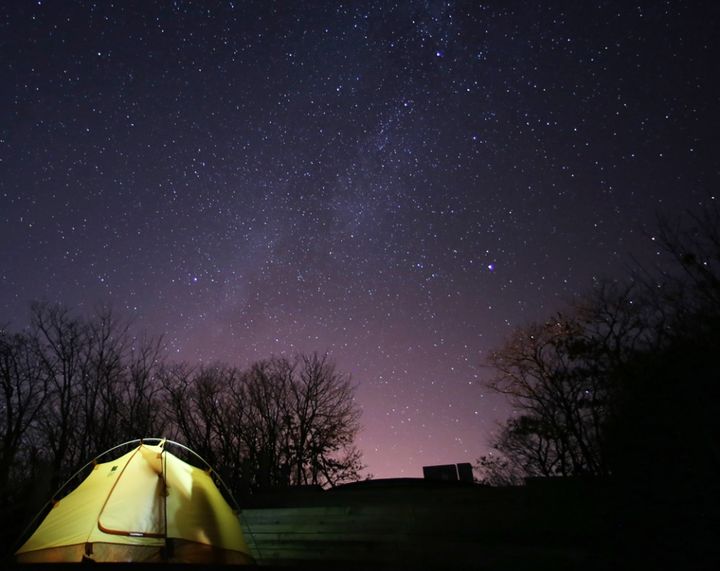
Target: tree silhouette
624,385
559,376
281,422
23,395
577,381
71,387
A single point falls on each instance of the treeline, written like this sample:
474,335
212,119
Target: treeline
72,387
623,387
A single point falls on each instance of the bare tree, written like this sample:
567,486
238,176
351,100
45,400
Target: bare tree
323,422
561,378
23,394
190,419
266,388
62,348
96,382
73,386
104,351
141,413
281,422
574,381
690,284
500,470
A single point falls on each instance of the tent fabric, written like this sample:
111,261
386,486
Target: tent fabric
147,505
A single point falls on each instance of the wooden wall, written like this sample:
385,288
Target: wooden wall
431,526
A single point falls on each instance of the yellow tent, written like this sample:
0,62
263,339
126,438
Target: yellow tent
147,505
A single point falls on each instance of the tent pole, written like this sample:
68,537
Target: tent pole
163,465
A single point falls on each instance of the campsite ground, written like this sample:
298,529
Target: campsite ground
423,524
420,524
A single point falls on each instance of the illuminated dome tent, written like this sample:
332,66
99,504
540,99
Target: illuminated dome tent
147,505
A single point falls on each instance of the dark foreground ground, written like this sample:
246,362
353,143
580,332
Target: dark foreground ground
547,524
420,524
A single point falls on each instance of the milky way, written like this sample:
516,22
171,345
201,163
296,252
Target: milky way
396,184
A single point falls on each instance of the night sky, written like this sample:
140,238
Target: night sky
399,184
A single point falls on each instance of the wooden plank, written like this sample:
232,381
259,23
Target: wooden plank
373,553
445,513
389,523
378,533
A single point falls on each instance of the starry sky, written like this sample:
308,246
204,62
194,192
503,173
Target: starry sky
398,184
